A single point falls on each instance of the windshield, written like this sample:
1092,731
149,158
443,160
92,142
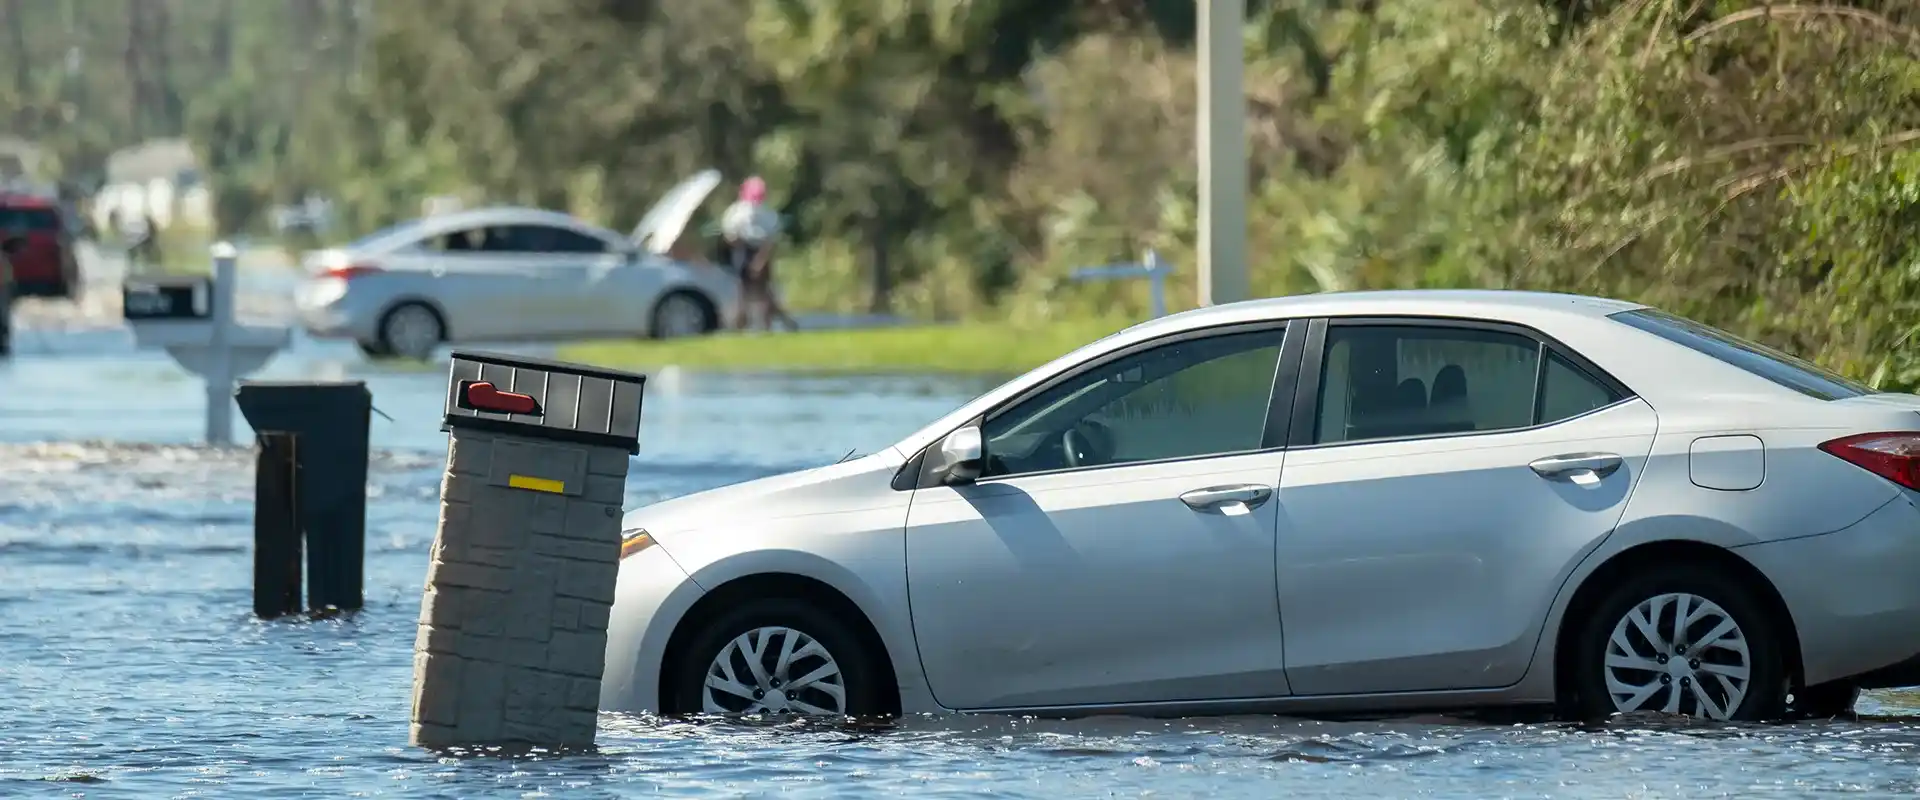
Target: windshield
29,219
1793,373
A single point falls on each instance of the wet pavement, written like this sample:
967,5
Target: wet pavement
130,666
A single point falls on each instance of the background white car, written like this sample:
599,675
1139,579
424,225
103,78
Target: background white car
1340,502
516,275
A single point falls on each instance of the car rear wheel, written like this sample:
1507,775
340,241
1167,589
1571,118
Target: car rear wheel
1679,639
776,656
411,330
683,313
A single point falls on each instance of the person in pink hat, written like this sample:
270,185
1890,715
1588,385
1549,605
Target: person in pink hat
748,228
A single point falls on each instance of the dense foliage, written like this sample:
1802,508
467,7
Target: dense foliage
1752,163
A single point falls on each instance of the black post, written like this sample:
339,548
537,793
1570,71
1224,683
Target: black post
330,421
276,532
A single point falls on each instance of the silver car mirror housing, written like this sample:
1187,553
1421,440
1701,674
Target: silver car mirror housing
959,457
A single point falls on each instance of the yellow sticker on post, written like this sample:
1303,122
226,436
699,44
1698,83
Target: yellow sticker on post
547,485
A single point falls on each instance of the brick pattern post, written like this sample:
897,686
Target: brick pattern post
513,625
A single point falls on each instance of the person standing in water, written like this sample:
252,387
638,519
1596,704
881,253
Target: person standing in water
747,229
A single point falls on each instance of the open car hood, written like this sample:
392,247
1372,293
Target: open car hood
668,218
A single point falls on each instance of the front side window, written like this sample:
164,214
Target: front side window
1188,399
1395,381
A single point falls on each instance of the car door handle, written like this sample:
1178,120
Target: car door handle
1246,495
1584,469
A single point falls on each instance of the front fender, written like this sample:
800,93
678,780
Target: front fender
881,598
651,596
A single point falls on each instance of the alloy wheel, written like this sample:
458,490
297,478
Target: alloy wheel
411,331
774,670
679,315
1678,653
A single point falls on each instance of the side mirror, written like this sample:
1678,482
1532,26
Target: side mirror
959,458
13,244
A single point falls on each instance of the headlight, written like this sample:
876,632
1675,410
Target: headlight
634,540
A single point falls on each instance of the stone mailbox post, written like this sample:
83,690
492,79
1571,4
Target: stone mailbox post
513,627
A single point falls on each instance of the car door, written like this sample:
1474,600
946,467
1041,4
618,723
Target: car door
1443,478
557,274
486,295
1118,545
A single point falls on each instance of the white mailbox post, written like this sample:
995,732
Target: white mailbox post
1150,267
192,318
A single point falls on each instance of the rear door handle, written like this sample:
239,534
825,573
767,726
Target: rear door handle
1237,498
1584,469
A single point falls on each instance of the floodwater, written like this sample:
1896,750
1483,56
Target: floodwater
131,667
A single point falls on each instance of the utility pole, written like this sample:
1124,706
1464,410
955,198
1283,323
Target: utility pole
1222,144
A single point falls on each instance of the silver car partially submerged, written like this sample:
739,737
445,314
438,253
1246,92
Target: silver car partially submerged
1328,503
511,274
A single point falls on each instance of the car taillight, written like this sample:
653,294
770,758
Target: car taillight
350,271
1892,455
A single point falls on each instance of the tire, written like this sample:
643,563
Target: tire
1655,594
858,673
681,313
411,330
1826,701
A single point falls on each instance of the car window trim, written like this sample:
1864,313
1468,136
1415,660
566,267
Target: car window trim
1292,336
1306,404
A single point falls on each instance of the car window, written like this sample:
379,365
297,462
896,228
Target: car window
1193,398
1567,391
1793,373
1383,382
29,219
459,241
541,239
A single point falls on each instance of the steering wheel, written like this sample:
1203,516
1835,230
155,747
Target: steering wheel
1086,444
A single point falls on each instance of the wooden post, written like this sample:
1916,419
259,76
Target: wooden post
276,528
328,471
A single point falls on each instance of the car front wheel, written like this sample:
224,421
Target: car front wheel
1680,639
776,656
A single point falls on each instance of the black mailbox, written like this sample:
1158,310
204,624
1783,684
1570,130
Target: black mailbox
328,423
167,298
546,399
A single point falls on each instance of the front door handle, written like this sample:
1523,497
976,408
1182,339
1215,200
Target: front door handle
1237,498
1584,469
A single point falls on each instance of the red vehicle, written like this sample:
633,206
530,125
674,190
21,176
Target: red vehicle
45,265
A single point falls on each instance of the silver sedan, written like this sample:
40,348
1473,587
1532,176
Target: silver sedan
1328,503
516,275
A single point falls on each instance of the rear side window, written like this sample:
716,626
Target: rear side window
1793,373
29,219
1398,381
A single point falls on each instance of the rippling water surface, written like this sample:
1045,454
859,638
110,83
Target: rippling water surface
130,665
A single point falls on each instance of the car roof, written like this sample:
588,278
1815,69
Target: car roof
495,215
1532,309
1468,303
